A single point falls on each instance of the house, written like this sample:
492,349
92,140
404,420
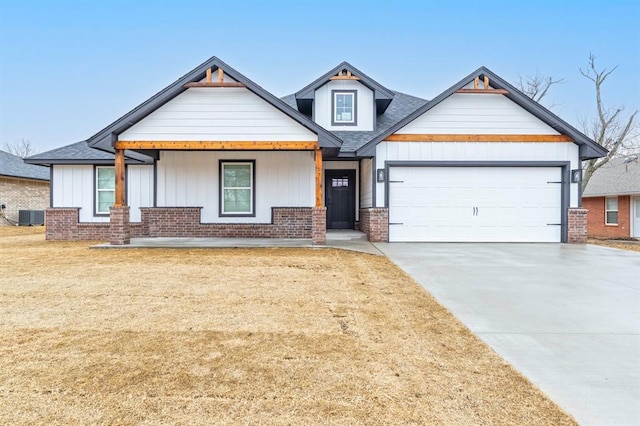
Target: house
22,187
612,197
216,155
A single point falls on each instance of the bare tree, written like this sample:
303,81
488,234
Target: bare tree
22,148
609,129
537,86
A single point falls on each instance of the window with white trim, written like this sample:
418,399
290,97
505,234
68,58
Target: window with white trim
611,211
344,107
237,188
105,189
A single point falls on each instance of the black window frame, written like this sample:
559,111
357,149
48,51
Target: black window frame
333,107
221,164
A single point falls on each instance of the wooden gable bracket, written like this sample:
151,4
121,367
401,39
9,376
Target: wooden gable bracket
341,76
210,83
485,88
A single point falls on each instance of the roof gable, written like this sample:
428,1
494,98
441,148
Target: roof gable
588,148
104,139
381,95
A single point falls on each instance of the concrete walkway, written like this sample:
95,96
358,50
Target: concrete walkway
566,316
342,239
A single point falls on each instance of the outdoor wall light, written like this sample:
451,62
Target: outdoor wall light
380,175
576,175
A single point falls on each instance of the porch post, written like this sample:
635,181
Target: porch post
319,212
120,183
119,226
318,153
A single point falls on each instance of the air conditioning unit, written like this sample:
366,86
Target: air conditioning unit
30,217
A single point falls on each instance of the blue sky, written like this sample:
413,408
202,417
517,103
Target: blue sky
69,68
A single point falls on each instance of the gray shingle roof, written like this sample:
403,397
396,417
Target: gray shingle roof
619,176
80,153
11,165
401,106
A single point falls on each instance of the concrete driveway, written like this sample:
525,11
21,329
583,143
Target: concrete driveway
566,316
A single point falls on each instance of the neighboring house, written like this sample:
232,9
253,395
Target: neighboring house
22,187
216,155
613,200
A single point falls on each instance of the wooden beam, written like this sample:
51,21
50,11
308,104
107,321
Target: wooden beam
318,153
213,84
476,86
120,182
208,75
220,145
476,138
485,91
486,82
220,75
335,77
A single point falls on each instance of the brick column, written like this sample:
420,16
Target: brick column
319,225
577,226
61,223
119,229
374,222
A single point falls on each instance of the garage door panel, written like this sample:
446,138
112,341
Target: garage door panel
464,204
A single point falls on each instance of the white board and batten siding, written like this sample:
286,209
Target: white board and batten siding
366,183
218,114
191,179
74,187
365,106
466,113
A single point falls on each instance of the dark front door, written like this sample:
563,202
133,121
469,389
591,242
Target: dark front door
340,197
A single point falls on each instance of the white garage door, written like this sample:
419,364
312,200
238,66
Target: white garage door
483,204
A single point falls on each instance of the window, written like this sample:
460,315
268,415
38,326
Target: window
105,189
611,211
237,196
344,107
339,182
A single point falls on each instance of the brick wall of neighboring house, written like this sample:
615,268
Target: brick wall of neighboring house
596,226
22,194
374,222
287,222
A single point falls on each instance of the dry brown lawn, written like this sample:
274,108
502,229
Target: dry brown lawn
619,244
241,336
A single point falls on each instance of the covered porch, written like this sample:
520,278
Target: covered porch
171,217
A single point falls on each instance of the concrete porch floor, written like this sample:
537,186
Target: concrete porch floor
346,239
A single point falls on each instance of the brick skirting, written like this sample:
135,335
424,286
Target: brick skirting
577,232
287,222
62,225
374,222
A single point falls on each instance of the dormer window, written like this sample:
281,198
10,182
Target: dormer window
344,107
